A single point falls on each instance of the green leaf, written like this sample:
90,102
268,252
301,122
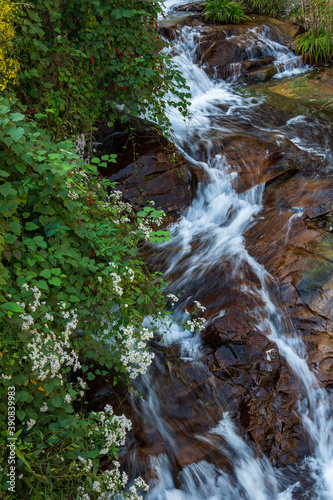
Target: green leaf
46,273
12,306
22,396
16,117
42,285
31,226
55,281
20,415
16,133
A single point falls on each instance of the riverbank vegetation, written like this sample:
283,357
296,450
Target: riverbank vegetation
74,288
225,11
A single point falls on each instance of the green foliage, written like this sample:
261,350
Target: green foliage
72,281
269,7
316,46
225,11
81,61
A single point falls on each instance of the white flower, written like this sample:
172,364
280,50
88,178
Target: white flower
30,423
67,398
44,408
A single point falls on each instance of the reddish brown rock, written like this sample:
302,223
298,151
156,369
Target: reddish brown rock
255,161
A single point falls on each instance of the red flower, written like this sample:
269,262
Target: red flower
129,54
95,291
92,253
92,60
116,86
137,55
117,51
158,38
163,14
121,53
90,199
108,44
124,88
90,283
71,174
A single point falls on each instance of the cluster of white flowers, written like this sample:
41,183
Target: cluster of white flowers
130,273
116,280
173,298
113,483
112,428
72,195
113,201
67,398
48,351
196,324
82,385
145,228
134,356
200,306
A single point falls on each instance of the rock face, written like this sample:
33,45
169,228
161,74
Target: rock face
148,168
156,176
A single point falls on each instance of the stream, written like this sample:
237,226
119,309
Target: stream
208,251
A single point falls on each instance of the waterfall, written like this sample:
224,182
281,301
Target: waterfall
212,231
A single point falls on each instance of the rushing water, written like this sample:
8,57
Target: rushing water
214,226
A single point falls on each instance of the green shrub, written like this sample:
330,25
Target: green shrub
316,46
74,292
83,61
225,11
269,7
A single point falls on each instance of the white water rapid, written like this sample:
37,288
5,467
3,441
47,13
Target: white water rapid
212,231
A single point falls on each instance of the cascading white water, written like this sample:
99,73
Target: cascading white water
285,61
217,219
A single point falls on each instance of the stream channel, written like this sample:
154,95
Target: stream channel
244,409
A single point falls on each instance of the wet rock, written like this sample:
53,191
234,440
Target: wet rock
191,7
261,75
155,176
313,91
148,167
169,28
255,161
